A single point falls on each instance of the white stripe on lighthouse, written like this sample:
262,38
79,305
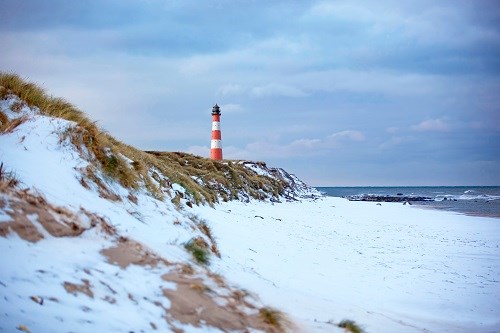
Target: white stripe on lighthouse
215,144
215,126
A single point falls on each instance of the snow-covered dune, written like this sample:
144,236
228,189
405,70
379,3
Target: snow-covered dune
82,253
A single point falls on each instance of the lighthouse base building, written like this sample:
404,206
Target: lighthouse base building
215,144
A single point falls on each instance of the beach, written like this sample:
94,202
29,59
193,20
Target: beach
390,267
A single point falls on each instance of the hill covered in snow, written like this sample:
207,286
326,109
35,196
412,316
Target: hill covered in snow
99,236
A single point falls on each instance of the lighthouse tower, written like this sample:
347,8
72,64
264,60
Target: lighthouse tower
215,146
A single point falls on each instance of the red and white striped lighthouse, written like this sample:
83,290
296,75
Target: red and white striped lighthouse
215,146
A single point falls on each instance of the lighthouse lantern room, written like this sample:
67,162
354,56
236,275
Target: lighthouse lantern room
215,145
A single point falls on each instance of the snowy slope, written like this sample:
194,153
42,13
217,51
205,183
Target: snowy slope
88,255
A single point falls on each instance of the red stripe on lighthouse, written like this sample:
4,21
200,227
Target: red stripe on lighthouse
215,144
216,135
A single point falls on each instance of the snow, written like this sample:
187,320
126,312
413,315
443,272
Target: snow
258,169
391,268
48,262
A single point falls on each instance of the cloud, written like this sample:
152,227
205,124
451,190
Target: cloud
260,91
296,148
378,81
396,141
275,89
431,125
341,10
229,152
230,89
300,147
346,136
263,149
203,151
231,108
392,129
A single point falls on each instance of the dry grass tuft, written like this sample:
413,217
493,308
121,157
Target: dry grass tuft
7,178
274,318
205,229
350,326
4,122
7,126
187,269
199,250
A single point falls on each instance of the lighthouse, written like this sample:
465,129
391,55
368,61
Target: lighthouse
215,146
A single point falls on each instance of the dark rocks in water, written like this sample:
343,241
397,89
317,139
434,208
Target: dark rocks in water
399,194
386,198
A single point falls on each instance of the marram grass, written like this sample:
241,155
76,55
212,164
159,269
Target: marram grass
350,326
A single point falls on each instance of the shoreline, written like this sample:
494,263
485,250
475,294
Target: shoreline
454,210
481,201
390,268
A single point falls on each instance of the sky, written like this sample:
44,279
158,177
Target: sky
340,93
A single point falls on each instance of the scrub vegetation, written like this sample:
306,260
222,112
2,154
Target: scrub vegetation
7,178
199,250
273,318
350,326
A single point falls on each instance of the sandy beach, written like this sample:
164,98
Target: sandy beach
389,267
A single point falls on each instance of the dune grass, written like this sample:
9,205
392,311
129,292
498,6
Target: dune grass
199,250
274,318
204,180
350,326
8,179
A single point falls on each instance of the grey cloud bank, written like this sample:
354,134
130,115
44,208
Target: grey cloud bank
338,92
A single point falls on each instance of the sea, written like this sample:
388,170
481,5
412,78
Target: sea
469,200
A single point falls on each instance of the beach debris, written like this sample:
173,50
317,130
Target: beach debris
37,299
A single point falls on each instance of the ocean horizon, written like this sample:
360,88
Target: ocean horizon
469,200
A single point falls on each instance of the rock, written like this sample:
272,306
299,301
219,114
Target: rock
386,198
